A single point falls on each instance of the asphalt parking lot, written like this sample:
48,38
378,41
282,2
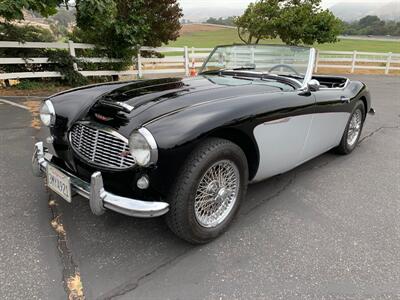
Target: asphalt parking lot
329,229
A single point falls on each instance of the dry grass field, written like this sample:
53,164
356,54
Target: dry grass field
188,29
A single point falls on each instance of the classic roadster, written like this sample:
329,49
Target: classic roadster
187,148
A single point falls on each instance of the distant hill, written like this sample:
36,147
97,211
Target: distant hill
390,11
350,11
345,10
63,17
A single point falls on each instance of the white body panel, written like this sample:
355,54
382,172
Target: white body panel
325,133
284,144
280,144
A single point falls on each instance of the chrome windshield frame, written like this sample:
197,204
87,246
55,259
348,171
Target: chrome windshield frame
307,76
310,68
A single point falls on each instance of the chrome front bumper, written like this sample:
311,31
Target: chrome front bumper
99,198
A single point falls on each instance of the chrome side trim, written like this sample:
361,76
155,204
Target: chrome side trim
285,120
99,198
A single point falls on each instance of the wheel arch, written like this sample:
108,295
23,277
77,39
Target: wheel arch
365,102
246,143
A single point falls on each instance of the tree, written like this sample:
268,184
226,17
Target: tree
229,21
121,26
118,26
259,21
294,21
368,21
13,9
372,25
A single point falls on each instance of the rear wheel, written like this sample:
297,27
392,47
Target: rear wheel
353,130
208,192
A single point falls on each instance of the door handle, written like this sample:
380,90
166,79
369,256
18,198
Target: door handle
345,99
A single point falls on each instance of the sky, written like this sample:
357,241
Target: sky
190,4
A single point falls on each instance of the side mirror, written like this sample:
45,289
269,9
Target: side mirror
313,85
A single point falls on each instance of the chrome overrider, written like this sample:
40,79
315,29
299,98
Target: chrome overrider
99,198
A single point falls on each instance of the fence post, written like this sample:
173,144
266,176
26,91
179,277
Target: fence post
353,63
72,53
186,59
316,61
139,65
389,60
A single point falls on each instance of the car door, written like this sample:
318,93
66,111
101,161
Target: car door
328,123
281,134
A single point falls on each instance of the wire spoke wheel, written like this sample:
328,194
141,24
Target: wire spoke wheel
217,193
354,128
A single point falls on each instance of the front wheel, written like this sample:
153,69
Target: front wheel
353,130
208,192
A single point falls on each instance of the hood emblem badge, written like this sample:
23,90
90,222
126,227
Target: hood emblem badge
103,118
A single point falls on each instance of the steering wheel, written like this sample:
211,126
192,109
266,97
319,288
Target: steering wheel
284,66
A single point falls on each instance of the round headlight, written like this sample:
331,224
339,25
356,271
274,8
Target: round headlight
47,113
143,147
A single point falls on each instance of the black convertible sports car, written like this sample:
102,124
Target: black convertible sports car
187,148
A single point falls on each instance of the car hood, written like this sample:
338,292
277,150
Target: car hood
152,99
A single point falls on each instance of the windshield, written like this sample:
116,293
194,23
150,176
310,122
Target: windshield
268,59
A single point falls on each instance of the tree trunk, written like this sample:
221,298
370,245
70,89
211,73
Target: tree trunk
240,35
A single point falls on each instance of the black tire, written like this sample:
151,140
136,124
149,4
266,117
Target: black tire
181,218
345,147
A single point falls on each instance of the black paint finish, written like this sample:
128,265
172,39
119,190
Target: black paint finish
180,113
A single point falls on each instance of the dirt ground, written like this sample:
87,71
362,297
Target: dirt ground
6,92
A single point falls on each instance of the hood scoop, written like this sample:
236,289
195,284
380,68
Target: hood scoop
117,106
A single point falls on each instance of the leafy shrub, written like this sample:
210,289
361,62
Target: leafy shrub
31,84
63,62
27,33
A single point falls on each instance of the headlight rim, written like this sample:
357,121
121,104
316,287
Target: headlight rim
149,138
52,113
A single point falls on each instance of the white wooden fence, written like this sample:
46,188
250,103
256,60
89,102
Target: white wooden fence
354,60
179,60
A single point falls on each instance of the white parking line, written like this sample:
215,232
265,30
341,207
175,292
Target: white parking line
14,104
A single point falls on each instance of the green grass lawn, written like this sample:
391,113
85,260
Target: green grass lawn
209,39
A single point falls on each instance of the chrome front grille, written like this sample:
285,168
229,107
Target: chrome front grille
101,146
